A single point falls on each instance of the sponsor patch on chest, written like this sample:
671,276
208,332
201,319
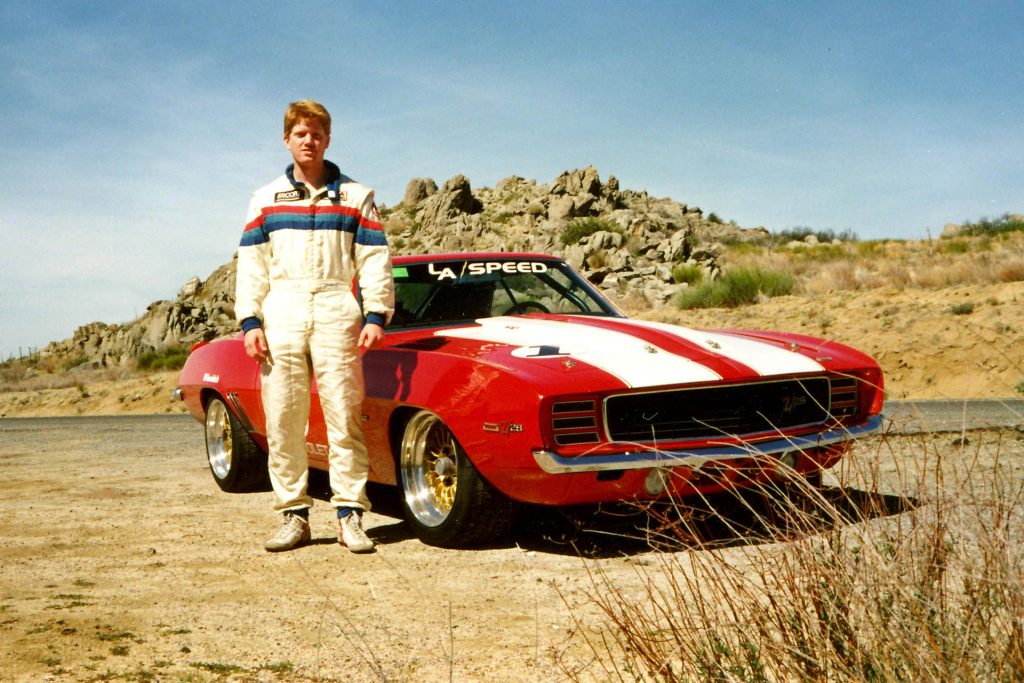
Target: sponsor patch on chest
290,195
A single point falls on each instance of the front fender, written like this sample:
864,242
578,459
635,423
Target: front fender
492,412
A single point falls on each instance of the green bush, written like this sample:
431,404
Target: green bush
738,248
170,358
799,233
737,288
986,226
585,227
956,247
871,248
73,361
690,273
962,309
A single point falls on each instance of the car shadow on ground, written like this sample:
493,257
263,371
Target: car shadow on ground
714,521
732,518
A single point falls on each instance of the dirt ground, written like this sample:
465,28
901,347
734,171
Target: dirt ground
953,343
123,561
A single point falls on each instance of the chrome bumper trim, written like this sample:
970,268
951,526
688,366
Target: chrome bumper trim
552,463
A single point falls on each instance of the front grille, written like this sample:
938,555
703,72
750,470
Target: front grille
714,412
574,422
844,397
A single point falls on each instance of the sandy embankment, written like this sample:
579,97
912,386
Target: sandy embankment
927,350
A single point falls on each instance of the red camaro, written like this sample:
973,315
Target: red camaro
507,378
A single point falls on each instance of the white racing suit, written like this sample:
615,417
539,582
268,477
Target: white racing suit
300,253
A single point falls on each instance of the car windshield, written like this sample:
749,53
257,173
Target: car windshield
448,292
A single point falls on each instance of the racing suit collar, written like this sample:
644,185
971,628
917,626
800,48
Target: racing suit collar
333,179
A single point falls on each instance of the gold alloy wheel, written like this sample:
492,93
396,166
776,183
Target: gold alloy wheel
429,468
218,438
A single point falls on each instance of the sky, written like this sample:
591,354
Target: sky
134,132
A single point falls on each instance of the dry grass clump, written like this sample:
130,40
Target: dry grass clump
40,381
920,583
1011,270
40,372
932,264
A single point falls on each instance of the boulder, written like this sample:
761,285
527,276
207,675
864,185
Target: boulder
561,208
417,190
456,197
191,288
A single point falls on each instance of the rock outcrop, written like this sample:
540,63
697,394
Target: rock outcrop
630,244
637,243
201,311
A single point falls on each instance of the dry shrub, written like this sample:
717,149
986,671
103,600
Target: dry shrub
960,271
597,259
912,264
1011,270
901,573
836,276
890,274
843,275
19,377
395,226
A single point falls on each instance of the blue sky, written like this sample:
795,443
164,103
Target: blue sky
134,132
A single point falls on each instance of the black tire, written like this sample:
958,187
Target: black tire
236,462
446,501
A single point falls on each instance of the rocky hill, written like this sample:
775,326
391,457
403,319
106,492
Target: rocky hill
631,242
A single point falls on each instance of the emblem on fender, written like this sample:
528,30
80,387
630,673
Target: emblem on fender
505,428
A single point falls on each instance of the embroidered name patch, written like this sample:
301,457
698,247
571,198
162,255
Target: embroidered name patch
289,196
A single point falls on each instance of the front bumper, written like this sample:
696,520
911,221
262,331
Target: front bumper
552,463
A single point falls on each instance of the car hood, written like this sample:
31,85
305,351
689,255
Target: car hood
640,353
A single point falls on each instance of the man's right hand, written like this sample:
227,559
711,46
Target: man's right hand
256,345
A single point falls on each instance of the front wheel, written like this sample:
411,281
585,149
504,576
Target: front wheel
446,501
236,462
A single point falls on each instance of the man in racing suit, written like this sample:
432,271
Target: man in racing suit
309,235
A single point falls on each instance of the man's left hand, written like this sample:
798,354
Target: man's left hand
370,335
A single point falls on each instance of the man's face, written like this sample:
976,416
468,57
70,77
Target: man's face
307,141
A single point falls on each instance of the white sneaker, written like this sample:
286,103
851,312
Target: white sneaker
293,533
351,534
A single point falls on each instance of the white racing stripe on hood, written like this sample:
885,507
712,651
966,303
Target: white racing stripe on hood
765,359
632,360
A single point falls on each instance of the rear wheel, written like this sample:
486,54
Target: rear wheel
236,462
446,501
